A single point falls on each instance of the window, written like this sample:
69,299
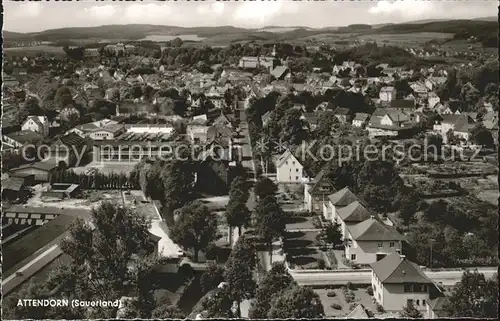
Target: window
418,302
353,257
391,244
380,244
293,162
296,178
296,169
408,288
423,302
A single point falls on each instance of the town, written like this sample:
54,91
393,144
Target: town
259,179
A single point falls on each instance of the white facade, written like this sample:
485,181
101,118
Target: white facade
365,252
387,94
102,135
38,124
394,297
289,170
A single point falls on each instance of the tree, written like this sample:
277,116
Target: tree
331,234
239,271
178,178
481,136
101,254
326,123
237,214
298,302
219,305
277,279
168,312
402,87
212,277
195,228
265,187
63,97
409,311
474,297
270,221
292,127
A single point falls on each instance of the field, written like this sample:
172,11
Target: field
27,245
34,49
406,38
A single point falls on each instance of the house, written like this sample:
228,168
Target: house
391,123
223,121
266,118
387,94
342,114
316,192
70,148
370,241
289,169
197,133
336,201
402,104
396,281
38,124
419,89
433,99
219,133
40,170
12,188
351,214
435,308
360,120
108,132
311,119
281,73
460,125
326,105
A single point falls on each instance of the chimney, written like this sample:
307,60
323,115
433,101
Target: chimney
402,257
372,217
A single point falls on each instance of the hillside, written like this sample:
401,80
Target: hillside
480,27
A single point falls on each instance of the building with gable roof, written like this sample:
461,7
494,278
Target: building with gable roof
351,214
387,94
289,169
371,240
38,124
336,201
396,281
316,192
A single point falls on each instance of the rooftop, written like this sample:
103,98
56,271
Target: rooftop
396,268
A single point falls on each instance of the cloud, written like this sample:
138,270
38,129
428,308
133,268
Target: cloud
404,8
216,8
29,10
147,13
101,12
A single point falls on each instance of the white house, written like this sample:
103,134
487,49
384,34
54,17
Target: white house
108,132
38,124
433,99
289,169
387,94
336,201
396,281
360,120
370,241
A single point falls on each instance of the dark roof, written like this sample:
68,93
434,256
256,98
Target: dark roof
395,268
13,184
361,116
374,230
403,103
341,111
343,197
354,212
47,166
72,139
320,181
25,137
44,210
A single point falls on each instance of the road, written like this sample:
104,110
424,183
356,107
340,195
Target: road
364,277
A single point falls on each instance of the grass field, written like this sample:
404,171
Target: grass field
27,245
406,38
34,49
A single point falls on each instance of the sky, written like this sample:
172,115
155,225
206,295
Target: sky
35,16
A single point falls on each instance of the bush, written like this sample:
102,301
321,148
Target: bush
331,294
369,290
350,297
369,313
316,222
352,306
321,264
380,308
349,286
336,306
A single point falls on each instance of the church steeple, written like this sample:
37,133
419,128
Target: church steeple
274,51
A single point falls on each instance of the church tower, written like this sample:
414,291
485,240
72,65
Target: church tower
274,51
